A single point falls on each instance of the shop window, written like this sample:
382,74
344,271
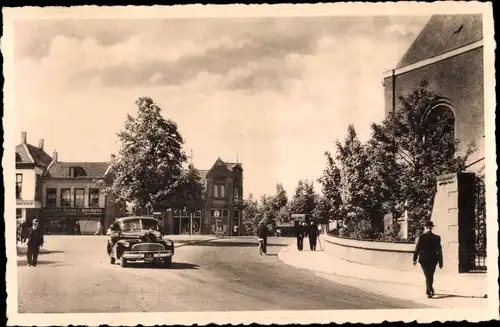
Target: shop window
79,197
65,197
51,197
19,186
219,188
94,197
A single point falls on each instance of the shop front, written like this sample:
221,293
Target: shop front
185,223
72,221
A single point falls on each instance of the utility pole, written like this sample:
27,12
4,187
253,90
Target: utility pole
191,224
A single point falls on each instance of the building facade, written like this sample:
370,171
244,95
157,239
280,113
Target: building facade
223,206
73,198
31,163
448,54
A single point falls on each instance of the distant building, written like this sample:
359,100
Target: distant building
73,197
31,163
448,53
222,213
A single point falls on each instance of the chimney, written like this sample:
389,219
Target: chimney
40,144
54,156
112,157
24,137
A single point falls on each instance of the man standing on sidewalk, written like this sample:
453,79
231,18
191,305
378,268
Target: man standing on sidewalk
34,240
429,253
299,234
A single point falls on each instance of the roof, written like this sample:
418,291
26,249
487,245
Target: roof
231,165
90,169
27,153
443,33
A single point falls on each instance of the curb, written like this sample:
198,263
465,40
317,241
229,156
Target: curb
181,244
372,280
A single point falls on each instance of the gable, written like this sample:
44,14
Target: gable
443,33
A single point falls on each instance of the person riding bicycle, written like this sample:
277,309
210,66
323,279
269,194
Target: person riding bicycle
262,233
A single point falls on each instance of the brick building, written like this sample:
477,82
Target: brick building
73,197
223,204
448,53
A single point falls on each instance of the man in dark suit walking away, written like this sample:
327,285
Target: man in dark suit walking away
262,233
429,253
313,236
34,240
299,234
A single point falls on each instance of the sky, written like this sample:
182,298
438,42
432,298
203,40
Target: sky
272,93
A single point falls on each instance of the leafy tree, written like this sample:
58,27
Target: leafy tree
250,215
322,210
419,144
330,182
356,191
303,201
280,199
191,191
149,165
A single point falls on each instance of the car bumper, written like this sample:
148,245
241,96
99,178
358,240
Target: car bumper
146,257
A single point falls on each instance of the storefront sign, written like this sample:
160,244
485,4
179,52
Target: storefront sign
74,210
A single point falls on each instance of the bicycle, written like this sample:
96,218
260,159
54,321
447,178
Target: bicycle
261,246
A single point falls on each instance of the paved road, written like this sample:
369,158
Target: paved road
219,275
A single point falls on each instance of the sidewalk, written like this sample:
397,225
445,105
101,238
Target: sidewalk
465,290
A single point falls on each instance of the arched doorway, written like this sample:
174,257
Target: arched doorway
440,134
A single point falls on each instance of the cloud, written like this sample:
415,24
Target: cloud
276,91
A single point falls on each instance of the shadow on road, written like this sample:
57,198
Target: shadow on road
39,263
174,265
447,296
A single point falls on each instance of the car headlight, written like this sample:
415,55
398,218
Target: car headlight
126,244
169,243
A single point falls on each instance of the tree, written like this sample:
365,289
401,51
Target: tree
280,199
330,182
250,215
322,210
191,191
148,168
358,195
303,201
420,139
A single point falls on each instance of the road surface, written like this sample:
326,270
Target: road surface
75,275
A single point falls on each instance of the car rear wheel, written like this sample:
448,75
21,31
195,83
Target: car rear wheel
123,262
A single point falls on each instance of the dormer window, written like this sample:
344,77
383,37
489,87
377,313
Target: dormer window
75,172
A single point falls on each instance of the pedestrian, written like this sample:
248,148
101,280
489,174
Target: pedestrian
428,252
313,236
262,233
299,234
77,228
34,240
99,228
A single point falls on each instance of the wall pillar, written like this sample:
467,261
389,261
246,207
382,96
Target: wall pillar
453,217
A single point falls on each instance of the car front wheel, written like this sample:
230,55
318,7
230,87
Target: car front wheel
112,260
123,262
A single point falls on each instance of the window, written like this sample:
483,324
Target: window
79,197
65,197
76,172
19,186
93,197
219,188
19,213
38,187
51,197
236,194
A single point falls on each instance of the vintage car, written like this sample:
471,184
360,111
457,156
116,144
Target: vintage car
138,240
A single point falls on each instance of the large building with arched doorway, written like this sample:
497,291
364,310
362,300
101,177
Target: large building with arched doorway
448,54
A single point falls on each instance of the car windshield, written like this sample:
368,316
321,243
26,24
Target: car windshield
139,224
